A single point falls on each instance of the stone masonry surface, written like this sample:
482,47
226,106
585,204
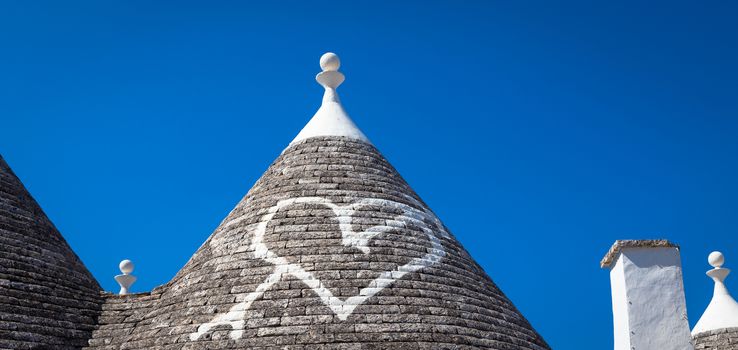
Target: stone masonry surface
48,299
330,249
449,303
619,245
719,339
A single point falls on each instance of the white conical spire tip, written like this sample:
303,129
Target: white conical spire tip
330,119
722,312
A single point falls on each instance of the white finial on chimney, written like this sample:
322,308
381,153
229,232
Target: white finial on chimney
331,119
126,279
723,309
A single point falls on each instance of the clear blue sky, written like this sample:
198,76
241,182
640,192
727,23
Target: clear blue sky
539,132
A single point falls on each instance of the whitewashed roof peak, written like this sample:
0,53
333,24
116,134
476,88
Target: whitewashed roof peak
723,309
331,118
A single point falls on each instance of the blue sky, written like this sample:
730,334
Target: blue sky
538,132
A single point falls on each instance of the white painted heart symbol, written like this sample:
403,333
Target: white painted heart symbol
342,308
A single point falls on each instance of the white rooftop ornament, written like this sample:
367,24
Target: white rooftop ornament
331,119
723,309
126,279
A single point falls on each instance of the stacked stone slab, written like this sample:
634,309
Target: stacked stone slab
288,269
719,339
48,299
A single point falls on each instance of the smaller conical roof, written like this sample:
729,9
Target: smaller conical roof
722,312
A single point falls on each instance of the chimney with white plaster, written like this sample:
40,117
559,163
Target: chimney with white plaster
648,303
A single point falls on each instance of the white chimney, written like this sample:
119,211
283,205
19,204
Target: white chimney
649,310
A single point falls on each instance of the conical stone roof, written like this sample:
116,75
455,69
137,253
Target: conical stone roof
330,249
48,299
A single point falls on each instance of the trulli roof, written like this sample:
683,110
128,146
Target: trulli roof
330,249
48,299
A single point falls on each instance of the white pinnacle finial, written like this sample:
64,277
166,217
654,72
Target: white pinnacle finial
330,77
331,119
126,279
723,309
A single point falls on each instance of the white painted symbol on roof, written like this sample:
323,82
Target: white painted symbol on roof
235,317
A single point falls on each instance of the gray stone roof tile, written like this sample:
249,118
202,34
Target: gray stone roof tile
718,339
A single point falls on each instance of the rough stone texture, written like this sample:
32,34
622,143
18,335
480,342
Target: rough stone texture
619,245
48,299
719,339
330,249
120,315
356,220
